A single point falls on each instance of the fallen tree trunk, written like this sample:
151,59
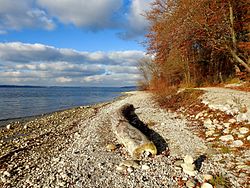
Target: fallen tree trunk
133,139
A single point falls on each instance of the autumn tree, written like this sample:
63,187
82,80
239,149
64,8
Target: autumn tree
198,41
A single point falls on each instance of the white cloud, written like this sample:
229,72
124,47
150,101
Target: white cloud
88,14
18,14
137,23
39,64
84,13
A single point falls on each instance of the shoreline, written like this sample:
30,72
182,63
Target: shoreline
25,119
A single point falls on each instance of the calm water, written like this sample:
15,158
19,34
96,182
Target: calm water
22,102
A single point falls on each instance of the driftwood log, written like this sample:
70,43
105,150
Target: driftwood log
132,138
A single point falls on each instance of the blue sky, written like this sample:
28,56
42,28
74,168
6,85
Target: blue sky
71,42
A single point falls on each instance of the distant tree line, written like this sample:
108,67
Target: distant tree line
197,42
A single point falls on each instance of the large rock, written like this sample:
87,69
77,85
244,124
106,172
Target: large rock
243,130
226,138
237,143
188,166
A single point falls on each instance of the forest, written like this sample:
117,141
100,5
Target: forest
196,43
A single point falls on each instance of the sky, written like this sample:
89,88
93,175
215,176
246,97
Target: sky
71,42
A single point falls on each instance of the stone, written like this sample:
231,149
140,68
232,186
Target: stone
8,126
226,138
145,167
226,131
240,136
226,124
210,139
243,130
6,173
129,169
209,133
209,124
206,185
219,127
190,184
207,177
248,138
242,117
188,159
121,168
215,121
237,143
188,168
130,163
110,147
231,120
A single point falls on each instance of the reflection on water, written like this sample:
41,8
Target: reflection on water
22,102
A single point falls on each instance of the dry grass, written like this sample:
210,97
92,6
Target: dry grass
182,99
220,181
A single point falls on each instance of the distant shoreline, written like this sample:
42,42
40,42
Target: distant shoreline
31,86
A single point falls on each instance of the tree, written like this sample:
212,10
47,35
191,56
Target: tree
204,39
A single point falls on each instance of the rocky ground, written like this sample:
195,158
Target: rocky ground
204,146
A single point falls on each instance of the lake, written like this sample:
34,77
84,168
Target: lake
17,102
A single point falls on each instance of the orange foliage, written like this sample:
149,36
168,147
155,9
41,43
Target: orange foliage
198,41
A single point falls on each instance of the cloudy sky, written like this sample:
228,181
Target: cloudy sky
71,42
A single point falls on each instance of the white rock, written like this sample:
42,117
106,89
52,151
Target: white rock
208,123
121,168
242,117
210,139
3,179
226,131
232,121
8,126
145,167
219,126
226,138
237,143
129,169
209,133
248,138
188,159
243,130
226,124
206,185
215,121
188,168
6,173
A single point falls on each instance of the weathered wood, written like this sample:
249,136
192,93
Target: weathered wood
133,139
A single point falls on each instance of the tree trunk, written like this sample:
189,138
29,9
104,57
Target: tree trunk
233,36
239,60
134,140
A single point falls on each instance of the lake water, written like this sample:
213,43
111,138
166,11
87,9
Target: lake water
16,102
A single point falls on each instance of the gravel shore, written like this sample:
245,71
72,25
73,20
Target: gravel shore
72,148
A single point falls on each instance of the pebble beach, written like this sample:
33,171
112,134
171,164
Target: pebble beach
77,148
